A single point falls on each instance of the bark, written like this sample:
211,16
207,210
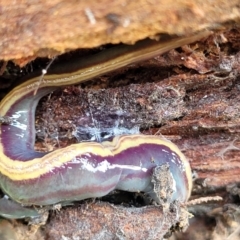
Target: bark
46,28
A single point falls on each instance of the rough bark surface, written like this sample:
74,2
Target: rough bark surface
46,28
105,221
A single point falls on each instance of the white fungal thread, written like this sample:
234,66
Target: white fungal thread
44,72
228,148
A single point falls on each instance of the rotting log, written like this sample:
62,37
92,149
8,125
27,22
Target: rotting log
202,78
195,109
196,105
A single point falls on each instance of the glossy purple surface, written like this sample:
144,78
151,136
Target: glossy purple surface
93,176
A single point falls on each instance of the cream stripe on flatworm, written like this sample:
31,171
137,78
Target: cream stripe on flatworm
18,170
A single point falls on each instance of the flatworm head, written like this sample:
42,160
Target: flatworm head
150,152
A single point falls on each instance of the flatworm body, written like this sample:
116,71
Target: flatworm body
88,169
91,169
81,170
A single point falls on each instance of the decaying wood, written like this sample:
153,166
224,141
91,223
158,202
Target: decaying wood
197,109
105,221
200,112
102,220
45,28
190,95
